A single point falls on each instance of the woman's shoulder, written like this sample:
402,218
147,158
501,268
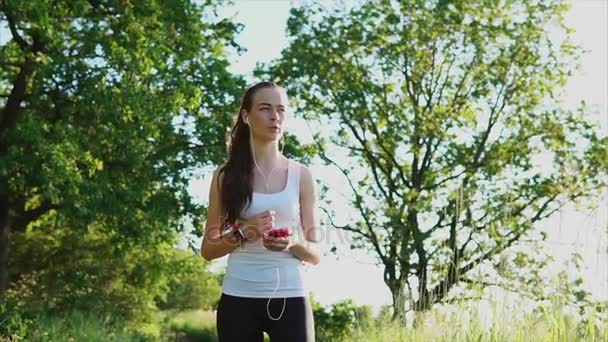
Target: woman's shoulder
218,170
308,185
302,168
218,175
306,175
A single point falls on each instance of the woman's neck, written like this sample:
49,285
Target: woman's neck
267,155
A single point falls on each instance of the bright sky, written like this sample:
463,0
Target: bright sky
353,274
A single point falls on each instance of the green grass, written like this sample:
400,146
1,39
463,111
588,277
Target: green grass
76,326
507,325
457,324
198,325
463,324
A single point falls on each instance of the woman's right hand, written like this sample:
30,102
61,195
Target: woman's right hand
254,227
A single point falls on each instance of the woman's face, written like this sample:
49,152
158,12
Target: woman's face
268,113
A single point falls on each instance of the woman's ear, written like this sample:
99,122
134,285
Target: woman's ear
244,115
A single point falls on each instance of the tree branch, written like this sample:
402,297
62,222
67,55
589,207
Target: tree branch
368,154
31,215
444,286
13,28
347,228
374,238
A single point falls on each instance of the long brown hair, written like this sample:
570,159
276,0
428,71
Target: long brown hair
237,184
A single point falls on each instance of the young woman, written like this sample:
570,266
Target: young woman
255,197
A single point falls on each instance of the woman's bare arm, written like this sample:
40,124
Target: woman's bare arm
213,246
307,249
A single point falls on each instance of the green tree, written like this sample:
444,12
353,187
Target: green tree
444,109
106,107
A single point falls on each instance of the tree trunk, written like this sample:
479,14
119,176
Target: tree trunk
399,301
424,302
4,242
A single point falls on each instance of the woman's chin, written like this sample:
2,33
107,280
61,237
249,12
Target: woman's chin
275,136
270,138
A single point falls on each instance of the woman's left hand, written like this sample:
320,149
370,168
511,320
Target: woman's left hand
276,244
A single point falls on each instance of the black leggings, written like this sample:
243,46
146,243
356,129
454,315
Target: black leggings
245,319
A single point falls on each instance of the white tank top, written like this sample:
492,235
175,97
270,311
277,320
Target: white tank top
253,270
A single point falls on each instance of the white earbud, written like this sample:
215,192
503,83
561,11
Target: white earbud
246,121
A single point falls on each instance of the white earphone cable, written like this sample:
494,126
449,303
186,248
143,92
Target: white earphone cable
266,180
269,299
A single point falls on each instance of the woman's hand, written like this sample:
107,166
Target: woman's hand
254,228
277,244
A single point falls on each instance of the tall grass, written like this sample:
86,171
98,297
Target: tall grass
462,323
196,325
74,326
506,324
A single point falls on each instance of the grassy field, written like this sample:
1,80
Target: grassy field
435,326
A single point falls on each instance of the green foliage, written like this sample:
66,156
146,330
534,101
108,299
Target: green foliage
491,320
106,108
121,102
59,270
78,326
302,152
195,325
12,321
191,285
462,323
445,109
340,320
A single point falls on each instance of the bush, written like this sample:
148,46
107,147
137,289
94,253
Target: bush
191,286
338,321
57,271
12,321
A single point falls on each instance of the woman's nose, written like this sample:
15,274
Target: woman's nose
274,114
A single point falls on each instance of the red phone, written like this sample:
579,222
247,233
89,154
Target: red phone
279,232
